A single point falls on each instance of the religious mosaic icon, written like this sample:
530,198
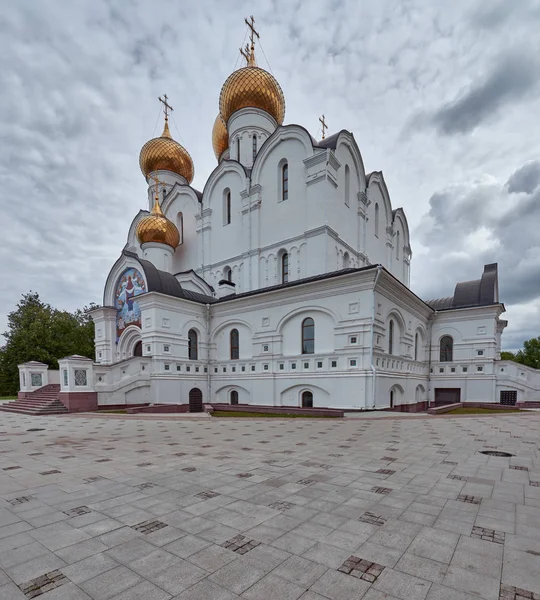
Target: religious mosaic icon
130,284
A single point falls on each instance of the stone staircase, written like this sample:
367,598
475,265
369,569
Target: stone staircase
41,402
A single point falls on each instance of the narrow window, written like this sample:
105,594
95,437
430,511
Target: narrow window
377,220
163,194
227,274
397,246
446,349
307,400
346,260
180,226
235,345
347,184
227,208
254,144
284,268
193,345
308,336
234,397
285,181
416,347
391,337
238,150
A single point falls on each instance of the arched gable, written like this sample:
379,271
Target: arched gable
305,309
399,221
376,179
280,135
224,167
123,263
132,242
346,139
230,323
395,314
178,191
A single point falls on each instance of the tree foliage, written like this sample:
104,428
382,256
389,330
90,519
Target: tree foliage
505,355
529,355
37,331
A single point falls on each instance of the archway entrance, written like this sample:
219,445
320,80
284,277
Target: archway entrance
307,400
234,397
137,349
195,400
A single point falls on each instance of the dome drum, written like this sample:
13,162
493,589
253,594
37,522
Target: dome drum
251,120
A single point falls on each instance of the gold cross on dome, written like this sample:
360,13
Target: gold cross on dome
254,32
157,183
324,126
166,106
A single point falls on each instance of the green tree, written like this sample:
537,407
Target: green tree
530,354
37,331
505,355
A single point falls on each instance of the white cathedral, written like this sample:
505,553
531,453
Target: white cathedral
284,282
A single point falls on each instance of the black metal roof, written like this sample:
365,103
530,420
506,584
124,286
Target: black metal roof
480,292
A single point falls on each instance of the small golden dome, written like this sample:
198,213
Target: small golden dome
157,228
164,153
252,86
220,137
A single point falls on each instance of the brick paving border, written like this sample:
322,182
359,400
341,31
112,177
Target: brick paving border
509,592
489,535
42,584
361,569
149,526
240,544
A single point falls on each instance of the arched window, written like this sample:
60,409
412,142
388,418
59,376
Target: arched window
193,345
235,344
254,144
137,349
446,349
391,337
284,268
285,181
163,194
377,220
234,397
347,184
227,274
180,226
307,400
238,149
346,260
416,346
308,336
397,245
227,207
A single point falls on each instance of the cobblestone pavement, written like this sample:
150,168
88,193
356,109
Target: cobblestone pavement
127,509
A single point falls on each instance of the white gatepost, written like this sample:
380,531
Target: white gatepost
77,383
32,376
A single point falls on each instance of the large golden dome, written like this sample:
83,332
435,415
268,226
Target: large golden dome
220,137
157,228
164,153
252,86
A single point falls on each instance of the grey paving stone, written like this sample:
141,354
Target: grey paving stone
472,582
271,587
338,586
186,546
110,584
68,591
433,544
424,568
10,591
88,568
212,558
27,571
205,590
300,571
178,577
402,585
238,576
143,591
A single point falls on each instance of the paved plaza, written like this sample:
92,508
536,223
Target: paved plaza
123,508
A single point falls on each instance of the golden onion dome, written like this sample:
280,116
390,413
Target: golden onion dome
252,86
220,137
165,154
157,228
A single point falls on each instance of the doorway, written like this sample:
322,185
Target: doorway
234,397
195,400
307,400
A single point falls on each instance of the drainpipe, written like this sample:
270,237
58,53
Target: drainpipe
373,370
429,361
208,385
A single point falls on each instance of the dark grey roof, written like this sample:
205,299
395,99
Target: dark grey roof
480,292
166,283
330,141
289,284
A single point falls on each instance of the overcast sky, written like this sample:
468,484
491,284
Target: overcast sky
443,97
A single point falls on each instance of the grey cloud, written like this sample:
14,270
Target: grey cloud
525,179
512,78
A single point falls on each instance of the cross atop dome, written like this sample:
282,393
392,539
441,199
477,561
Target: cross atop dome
249,51
166,106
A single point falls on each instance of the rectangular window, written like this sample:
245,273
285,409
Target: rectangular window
227,208
188,368
479,369
285,182
319,364
206,369
281,366
480,353
293,366
352,362
166,348
253,367
178,368
234,369
353,339
215,369
464,369
334,364
243,368
306,365
441,370
265,367
196,369
167,367
452,369
224,369
65,377
149,348
265,348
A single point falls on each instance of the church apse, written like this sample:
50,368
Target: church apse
130,284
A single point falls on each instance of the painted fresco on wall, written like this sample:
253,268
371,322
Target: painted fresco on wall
130,284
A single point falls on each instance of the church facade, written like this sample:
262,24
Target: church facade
285,281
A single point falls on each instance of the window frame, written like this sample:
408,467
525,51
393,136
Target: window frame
377,216
306,326
285,181
234,344
285,267
193,346
347,185
254,145
446,354
391,337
